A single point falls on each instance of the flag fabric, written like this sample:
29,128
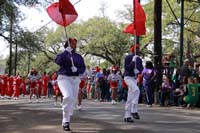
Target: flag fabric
65,7
138,26
129,29
62,12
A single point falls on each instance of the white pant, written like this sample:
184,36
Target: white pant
133,96
69,86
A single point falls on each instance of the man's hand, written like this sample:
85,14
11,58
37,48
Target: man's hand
136,71
69,49
134,58
74,69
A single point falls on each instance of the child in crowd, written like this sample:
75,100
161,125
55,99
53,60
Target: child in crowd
166,92
180,93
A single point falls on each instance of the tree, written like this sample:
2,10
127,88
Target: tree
28,46
171,27
96,37
171,15
9,13
102,38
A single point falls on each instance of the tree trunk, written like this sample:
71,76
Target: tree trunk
158,45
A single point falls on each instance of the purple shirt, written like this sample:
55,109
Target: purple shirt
64,61
148,74
129,65
167,86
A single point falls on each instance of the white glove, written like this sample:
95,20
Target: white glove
136,71
135,57
69,49
74,69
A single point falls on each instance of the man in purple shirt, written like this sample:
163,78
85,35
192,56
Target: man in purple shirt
71,66
132,67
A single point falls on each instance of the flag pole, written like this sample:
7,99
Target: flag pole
67,38
134,25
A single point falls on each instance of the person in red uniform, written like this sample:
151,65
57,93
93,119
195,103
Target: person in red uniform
16,86
3,85
39,87
33,77
9,91
23,86
82,85
56,89
45,80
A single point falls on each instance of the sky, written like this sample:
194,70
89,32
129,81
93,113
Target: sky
36,18
85,9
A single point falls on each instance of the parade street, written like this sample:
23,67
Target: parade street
20,116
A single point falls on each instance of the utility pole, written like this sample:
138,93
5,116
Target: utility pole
29,60
158,43
16,47
10,61
181,32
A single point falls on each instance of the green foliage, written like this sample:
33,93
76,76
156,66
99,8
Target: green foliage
98,37
171,27
42,63
29,41
102,38
8,12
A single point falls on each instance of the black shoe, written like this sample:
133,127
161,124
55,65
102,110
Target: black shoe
129,119
66,126
135,115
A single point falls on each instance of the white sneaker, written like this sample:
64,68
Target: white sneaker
96,100
79,107
16,98
113,102
148,106
30,101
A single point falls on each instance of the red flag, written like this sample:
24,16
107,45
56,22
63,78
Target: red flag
138,26
65,7
62,12
129,29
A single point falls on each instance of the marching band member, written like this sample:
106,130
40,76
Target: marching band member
45,80
82,85
33,77
132,66
71,66
56,89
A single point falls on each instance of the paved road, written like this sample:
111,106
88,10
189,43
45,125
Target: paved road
43,117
